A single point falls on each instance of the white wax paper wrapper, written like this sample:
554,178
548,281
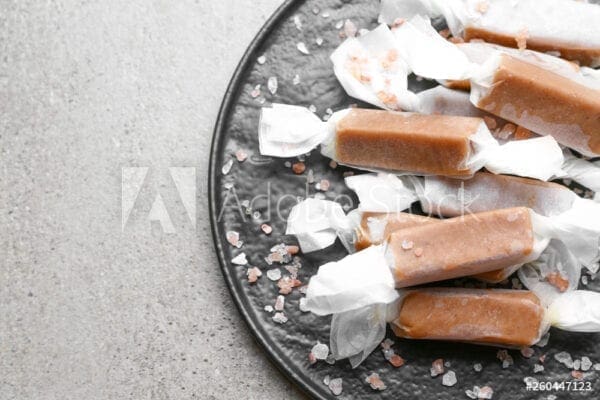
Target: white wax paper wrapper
576,311
356,281
355,334
570,23
369,68
556,259
315,223
381,192
583,172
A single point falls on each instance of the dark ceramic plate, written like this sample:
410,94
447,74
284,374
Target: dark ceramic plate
272,188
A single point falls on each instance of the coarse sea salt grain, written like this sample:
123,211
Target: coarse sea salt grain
298,22
240,259
262,59
301,46
537,368
336,386
233,238
227,167
269,309
449,379
320,351
280,318
296,80
586,363
274,274
272,84
374,380
437,367
302,305
319,41
564,358
253,274
279,303
485,393
477,367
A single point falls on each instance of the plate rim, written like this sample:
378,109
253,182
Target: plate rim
307,386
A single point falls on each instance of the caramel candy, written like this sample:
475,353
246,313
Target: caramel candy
487,316
545,102
460,246
433,144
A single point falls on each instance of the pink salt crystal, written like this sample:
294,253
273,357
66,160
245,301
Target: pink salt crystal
387,344
527,352
280,318
292,249
233,238
349,28
311,358
324,185
335,385
375,381
255,92
485,393
333,164
437,367
241,155
578,375
418,252
286,284
253,274
266,229
279,303
396,361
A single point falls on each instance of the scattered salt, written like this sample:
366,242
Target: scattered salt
266,229
477,367
296,80
375,381
319,41
485,393
544,340
597,366
233,238
274,274
302,48
537,368
320,351
269,309
335,385
326,380
302,305
387,344
227,167
279,303
325,15
262,59
449,379
241,155
564,358
240,259
407,244
527,352
253,274
297,22
586,363
339,24
349,28
272,84
437,367
577,364
315,10
280,318
396,360
255,92
312,108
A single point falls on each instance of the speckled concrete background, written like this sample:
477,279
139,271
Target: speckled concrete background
89,310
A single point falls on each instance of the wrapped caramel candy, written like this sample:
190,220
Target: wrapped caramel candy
405,142
565,28
506,318
574,219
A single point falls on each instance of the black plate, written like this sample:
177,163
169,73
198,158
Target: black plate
288,344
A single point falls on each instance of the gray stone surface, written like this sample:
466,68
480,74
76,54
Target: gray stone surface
89,310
